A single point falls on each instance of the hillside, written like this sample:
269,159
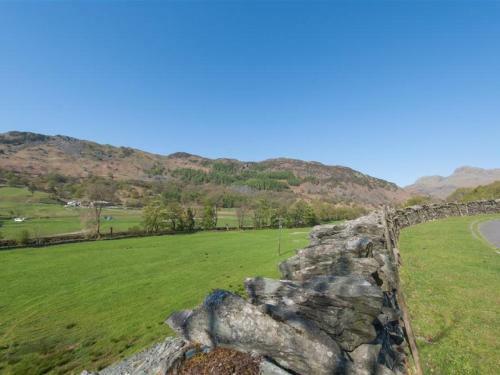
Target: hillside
30,155
463,177
490,191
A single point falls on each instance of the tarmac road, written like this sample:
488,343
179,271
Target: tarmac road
491,231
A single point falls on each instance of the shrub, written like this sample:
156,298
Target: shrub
24,237
418,200
136,229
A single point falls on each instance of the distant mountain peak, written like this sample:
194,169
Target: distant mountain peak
468,169
462,177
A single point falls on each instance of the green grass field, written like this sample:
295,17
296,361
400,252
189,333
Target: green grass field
46,217
451,280
86,305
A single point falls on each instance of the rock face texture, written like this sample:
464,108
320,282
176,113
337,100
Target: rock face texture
157,359
228,320
337,310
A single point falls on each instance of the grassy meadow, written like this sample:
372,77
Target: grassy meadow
46,217
451,279
85,305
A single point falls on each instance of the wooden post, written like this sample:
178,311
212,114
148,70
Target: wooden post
279,236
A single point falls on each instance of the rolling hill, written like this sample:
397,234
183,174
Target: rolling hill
34,155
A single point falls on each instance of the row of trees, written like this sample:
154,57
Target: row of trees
299,214
160,215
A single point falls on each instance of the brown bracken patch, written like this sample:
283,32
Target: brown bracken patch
221,362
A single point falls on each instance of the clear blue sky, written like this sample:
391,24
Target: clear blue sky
394,89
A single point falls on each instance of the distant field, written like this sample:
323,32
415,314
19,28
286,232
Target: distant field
227,216
85,305
452,283
46,217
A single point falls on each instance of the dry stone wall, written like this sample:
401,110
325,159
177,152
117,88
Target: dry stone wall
338,308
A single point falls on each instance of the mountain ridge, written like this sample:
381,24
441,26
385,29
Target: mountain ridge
462,177
38,154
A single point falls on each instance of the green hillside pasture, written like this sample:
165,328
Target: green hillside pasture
452,282
86,305
46,217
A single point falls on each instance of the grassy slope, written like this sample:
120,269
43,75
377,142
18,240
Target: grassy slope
452,284
85,305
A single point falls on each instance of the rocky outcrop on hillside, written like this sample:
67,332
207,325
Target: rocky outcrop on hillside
338,309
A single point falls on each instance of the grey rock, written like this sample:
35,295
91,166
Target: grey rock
156,360
342,266
387,273
343,307
328,251
339,250
269,368
364,361
227,320
389,315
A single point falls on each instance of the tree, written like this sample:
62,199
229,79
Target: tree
154,217
209,219
32,188
301,214
24,237
99,194
278,216
262,214
159,215
240,215
190,219
175,216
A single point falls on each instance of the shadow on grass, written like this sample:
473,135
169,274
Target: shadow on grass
443,333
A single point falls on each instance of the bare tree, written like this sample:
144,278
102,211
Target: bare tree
100,195
241,214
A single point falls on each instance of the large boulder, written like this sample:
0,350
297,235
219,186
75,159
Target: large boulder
345,308
227,320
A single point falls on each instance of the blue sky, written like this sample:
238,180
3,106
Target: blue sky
394,89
